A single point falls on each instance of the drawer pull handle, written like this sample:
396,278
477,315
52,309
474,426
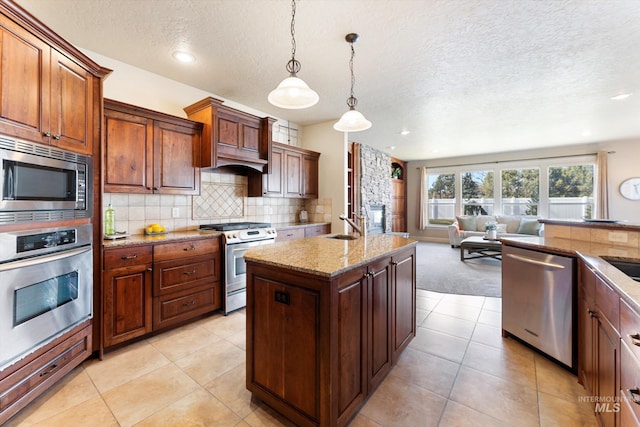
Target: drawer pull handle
49,370
187,304
46,134
190,248
592,313
635,339
190,272
634,395
124,258
56,137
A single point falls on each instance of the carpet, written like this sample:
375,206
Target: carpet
439,269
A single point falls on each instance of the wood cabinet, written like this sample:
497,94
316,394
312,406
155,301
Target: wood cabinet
398,196
22,382
153,286
629,365
150,152
127,282
49,95
301,231
294,174
317,346
232,137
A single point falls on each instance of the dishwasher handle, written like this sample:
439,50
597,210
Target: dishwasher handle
536,262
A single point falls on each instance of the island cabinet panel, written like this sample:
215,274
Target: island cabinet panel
404,302
379,321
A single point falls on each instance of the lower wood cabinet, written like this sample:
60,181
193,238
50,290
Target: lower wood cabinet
301,231
153,286
318,346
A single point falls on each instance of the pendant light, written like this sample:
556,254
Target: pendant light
293,93
352,120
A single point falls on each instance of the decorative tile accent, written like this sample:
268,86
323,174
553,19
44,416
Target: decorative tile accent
219,200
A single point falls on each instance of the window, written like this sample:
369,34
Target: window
477,193
520,191
442,201
571,191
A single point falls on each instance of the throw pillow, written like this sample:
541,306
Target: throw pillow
502,228
529,226
512,222
467,223
482,220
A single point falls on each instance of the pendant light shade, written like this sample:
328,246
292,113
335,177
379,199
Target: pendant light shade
293,93
352,120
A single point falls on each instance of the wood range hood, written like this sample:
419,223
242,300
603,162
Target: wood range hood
232,138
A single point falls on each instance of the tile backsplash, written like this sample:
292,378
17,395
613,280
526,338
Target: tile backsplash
222,199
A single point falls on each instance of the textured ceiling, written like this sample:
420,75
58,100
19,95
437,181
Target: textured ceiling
464,76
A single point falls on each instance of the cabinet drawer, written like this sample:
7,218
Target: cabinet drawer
316,230
608,302
186,248
289,234
127,256
630,328
171,276
171,309
630,379
28,382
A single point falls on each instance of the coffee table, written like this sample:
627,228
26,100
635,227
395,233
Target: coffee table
479,247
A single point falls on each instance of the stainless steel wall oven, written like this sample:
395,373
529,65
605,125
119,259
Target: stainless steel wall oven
43,183
46,287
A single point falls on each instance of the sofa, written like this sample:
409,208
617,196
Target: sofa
508,226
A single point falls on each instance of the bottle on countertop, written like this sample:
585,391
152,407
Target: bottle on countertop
110,221
304,216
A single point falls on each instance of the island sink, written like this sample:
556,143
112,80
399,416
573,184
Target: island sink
629,266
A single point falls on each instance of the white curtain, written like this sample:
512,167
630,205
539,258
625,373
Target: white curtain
423,217
602,186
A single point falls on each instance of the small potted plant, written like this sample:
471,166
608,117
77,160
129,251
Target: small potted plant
491,229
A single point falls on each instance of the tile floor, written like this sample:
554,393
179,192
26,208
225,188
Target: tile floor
458,371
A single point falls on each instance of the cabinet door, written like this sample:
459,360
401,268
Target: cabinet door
128,154
71,105
127,303
273,182
176,159
404,301
587,327
607,371
379,324
310,176
24,83
293,178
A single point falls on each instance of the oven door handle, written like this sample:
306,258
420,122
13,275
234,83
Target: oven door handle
43,259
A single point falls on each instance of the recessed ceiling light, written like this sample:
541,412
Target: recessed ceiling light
405,132
621,96
184,57
391,147
586,132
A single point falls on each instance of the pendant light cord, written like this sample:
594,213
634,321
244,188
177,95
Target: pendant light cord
352,101
293,66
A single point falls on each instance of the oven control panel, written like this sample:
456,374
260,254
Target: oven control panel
250,235
22,244
32,242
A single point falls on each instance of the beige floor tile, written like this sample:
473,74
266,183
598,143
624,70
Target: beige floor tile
93,412
429,372
566,413
466,312
225,326
430,294
211,361
264,416
125,364
399,403
421,315
507,363
492,318
557,381
505,400
138,399
470,300
361,421
231,389
493,304
424,303
449,325
488,335
180,343
238,339
457,415
72,390
198,408
439,344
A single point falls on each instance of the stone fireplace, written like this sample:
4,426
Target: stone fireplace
375,189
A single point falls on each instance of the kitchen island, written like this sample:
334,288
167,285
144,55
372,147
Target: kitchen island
326,320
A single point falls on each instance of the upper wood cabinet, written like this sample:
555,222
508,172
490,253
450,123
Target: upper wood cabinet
150,152
398,195
232,137
294,174
50,91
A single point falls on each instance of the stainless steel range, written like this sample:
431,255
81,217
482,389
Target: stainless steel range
238,238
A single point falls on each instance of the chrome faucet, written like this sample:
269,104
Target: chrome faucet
362,229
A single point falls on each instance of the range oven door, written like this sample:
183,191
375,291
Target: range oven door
41,298
236,274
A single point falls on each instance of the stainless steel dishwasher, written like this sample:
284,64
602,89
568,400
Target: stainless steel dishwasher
538,301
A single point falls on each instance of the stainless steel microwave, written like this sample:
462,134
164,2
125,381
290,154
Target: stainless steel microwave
43,183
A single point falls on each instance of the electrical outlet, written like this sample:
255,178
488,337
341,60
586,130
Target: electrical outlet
175,212
618,236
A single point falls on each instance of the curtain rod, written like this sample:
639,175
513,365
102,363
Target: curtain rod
516,160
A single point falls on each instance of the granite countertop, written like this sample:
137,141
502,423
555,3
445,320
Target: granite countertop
140,239
595,223
590,252
327,257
